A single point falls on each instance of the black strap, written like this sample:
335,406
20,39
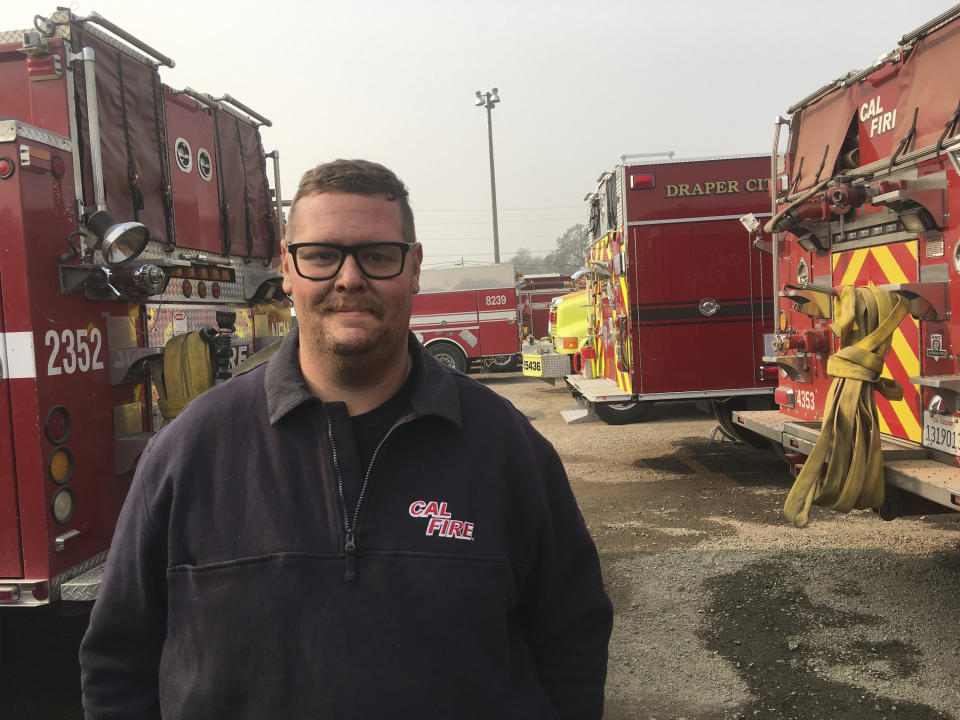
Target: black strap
948,128
136,196
823,161
271,235
160,113
246,200
907,139
796,178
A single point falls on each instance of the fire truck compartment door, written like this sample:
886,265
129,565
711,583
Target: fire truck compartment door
11,561
694,308
499,329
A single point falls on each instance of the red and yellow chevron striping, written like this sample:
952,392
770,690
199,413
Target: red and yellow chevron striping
883,265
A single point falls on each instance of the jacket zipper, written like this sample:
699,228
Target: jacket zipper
350,529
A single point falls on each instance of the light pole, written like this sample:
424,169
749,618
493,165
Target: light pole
488,100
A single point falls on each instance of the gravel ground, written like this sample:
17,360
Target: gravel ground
723,609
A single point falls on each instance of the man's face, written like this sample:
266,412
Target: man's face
351,314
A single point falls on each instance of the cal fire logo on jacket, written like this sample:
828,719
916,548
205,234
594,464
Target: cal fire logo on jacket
440,521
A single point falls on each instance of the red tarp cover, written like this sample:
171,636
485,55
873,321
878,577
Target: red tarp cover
135,151
930,80
821,124
243,174
883,105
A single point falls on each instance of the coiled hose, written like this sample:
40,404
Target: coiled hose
845,468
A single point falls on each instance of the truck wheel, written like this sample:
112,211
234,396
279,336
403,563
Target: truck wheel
449,354
623,413
501,363
723,412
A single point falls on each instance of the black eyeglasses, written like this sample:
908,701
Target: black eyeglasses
322,261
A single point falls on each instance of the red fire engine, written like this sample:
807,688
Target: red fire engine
133,215
866,233
675,290
468,315
536,293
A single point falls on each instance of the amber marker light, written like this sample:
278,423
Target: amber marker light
60,465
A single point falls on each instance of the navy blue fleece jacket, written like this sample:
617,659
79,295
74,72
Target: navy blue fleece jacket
236,587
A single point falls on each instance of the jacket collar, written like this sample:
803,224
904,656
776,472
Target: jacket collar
434,391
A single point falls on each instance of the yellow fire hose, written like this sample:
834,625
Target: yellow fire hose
185,371
845,468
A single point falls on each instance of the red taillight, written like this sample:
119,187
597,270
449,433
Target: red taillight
643,181
187,288
569,343
6,168
41,591
784,397
57,425
9,593
58,167
769,372
553,317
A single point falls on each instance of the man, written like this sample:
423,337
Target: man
351,530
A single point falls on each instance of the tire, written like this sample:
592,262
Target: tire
723,412
449,354
501,363
623,413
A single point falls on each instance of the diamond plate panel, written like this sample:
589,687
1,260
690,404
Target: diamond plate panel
555,365
247,275
81,582
165,321
84,587
10,130
11,36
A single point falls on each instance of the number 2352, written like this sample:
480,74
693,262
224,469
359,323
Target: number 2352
74,350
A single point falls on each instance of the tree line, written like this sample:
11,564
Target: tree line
569,255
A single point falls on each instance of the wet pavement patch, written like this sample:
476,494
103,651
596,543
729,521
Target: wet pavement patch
743,463
757,618
740,463
670,464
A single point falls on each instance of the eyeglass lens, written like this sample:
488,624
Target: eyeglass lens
322,262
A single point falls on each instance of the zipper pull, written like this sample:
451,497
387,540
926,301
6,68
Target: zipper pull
351,557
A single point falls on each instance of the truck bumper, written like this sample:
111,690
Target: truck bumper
906,465
540,361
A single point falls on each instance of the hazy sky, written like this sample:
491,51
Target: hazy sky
581,83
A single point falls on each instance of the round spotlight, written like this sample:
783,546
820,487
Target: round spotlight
120,242
63,505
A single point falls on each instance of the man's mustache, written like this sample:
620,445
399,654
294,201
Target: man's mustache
367,304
